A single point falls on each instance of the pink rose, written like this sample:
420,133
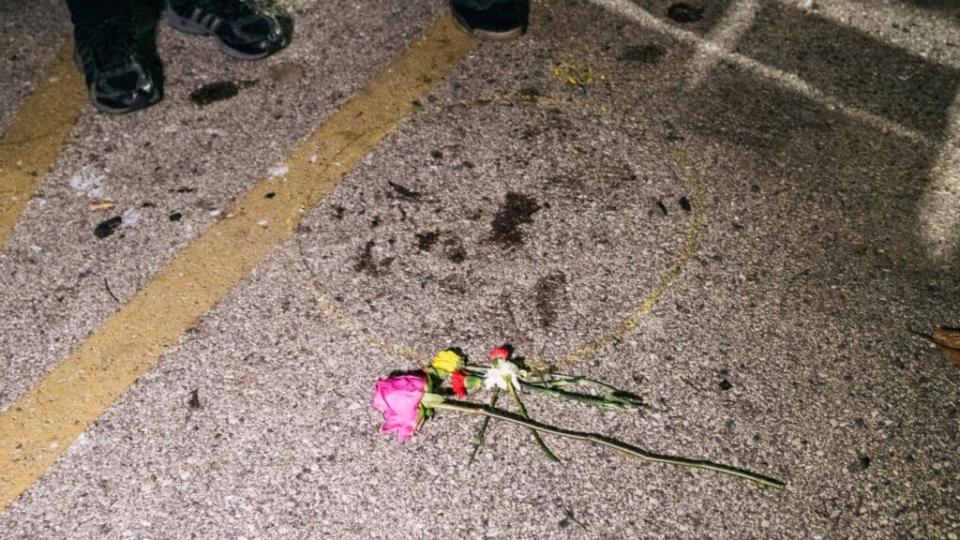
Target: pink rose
398,398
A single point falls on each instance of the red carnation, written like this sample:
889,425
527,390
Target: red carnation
457,384
500,353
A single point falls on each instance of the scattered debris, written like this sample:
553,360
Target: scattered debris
96,206
194,402
106,286
278,170
107,227
218,91
577,74
570,518
426,240
859,465
405,192
682,12
661,207
263,223
88,183
131,216
454,250
643,54
287,73
368,265
550,294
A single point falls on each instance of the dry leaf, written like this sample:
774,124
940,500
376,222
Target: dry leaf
947,337
102,205
948,341
952,354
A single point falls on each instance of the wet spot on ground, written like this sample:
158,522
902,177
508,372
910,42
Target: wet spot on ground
517,210
643,54
426,240
550,297
454,250
218,91
368,265
683,12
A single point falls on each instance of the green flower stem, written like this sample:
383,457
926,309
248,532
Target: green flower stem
551,380
536,436
596,438
597,401
553,388
563,379
482,433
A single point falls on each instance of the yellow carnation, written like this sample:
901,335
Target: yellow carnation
447,361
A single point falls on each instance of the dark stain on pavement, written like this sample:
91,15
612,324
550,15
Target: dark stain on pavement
454,250
643,54
550,292
426,240
517,210
861,464
107,227
366,263
194,402
683,12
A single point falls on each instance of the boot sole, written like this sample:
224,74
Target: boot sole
489,35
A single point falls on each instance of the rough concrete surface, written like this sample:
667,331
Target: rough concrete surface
516,207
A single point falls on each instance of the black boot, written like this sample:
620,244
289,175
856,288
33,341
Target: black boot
244,29
116,56
492,19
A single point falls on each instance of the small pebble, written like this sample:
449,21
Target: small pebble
107,227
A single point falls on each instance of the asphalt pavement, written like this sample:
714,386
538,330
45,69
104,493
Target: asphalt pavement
741,211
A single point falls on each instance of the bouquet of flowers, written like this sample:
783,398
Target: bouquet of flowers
407,400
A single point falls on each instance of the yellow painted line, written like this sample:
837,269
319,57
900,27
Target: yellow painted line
35,135
37,429
688,250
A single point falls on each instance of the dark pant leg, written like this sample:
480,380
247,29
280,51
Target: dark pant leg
478,4
92,11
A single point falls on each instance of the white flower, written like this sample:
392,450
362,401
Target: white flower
499,375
